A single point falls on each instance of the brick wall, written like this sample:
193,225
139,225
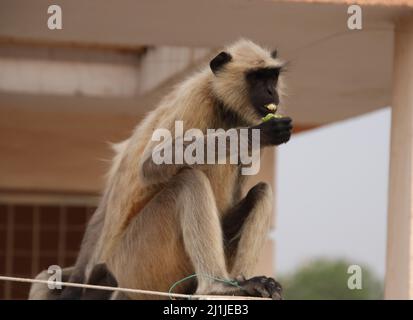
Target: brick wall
33,237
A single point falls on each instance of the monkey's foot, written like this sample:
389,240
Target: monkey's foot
262,286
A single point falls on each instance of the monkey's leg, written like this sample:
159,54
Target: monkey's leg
246,228
201,228
100,276
176,234
40,291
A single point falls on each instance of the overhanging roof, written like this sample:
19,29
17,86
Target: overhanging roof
335,73
361,2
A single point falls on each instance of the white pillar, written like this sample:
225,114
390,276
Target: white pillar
399,264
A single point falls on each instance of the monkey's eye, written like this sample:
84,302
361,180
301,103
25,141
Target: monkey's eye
264,74
273,73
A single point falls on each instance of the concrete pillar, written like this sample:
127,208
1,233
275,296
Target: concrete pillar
399,264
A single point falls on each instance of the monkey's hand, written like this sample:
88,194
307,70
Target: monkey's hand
275,131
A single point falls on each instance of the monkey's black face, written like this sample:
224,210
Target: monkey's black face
262,88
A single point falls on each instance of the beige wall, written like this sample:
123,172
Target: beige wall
57,152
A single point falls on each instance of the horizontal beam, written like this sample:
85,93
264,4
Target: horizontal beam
92,73
59,151
63,152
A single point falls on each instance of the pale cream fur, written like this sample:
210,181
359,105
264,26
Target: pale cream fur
160,226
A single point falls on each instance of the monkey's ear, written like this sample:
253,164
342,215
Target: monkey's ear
274,53
219,61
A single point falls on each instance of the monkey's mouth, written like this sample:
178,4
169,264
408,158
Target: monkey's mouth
267,108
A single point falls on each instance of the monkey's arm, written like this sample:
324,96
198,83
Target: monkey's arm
208,149
215,148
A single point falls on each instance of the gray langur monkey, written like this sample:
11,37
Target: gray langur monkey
157,224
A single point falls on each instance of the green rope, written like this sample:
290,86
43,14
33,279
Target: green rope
232,283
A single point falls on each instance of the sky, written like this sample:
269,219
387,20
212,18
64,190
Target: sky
331,194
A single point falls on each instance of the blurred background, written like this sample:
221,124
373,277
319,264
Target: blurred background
342,184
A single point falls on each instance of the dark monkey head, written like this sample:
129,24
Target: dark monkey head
246,78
